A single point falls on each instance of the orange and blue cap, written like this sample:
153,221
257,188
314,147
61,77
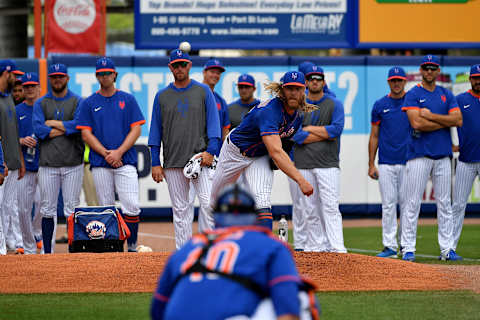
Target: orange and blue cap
30,78
178,55
214,64
396,73
10,66
430,59
104,64
293,78
475,70
246,80
57,69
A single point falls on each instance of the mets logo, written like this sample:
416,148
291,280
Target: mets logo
96,229
56,67
121,104
182,107
104,62
396,70
179,53
444,99
244,77
29,76
478,68
294,75
429,57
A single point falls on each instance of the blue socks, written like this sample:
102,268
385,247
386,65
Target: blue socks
264,218
48,224
132,224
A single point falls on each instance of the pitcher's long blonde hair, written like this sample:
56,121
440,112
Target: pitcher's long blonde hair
276,90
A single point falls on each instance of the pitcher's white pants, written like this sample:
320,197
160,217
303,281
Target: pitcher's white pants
416,176
323,217
3,242
465,175
179,190
390,181
258,174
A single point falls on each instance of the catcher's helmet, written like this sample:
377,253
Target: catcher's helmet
235,207
192,168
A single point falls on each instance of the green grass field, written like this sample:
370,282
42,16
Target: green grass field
335,305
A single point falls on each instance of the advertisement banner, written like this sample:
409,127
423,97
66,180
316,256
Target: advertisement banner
245,24
75,26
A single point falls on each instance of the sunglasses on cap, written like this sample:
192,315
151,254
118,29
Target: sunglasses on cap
104,73
315,77
427,67
182,64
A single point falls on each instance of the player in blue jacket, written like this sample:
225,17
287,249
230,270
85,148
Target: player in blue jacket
468,166
248,147
242,262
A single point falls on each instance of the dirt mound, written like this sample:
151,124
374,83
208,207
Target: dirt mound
134,272
130,272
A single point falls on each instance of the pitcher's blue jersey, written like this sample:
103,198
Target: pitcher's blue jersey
250,252
268,118
469,132
25,129
110,120
435,144
393,130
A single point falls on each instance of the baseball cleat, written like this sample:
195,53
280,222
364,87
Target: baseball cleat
450,256
387,253
409,256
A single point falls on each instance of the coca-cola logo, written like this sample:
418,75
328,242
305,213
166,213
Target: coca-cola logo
74,16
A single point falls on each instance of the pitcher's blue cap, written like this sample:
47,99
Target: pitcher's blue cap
313,69
178,55
430,59
57,69
396,73
30,78
246,80
475,70
214,63
293,78
104,64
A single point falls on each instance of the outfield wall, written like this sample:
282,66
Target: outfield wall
357,81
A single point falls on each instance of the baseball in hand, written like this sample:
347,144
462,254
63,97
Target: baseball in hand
185,46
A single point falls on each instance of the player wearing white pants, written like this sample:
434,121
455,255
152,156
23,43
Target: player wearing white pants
431,111
468,166
416,176
11,225
179,189
464,177
124,180
26,196
298,217
389,136
324,228
390,181
257,173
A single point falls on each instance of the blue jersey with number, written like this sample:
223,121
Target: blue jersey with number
222,111
110,120
268,118
25,129
434,144
469,132
251,252
393,130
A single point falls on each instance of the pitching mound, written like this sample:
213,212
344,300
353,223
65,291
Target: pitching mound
138,272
